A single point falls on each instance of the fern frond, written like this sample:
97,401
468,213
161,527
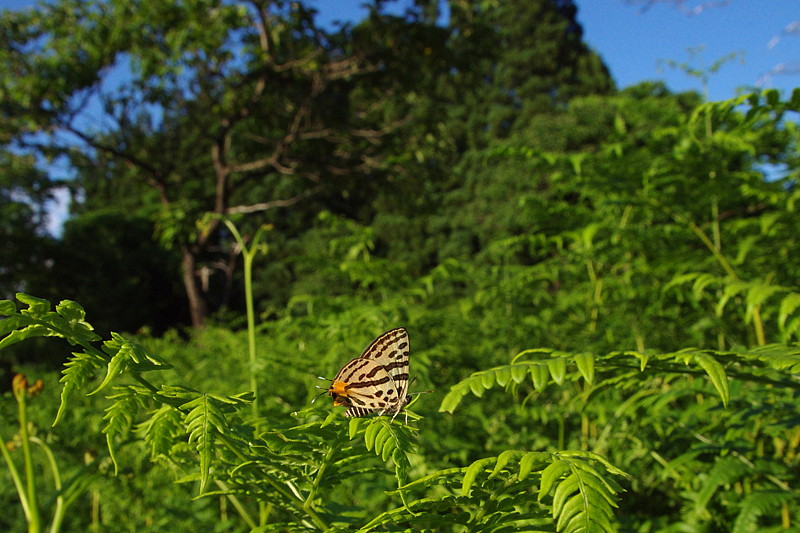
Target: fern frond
763,503
554,367
127,355
777,356
712,367
67,321
724,472
203,423
386,440
160,429
119,416
789,304
583,499
77,371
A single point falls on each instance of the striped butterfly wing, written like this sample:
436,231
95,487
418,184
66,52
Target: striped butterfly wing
377,380
391,351
363,386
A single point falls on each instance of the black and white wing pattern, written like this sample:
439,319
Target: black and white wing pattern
377,381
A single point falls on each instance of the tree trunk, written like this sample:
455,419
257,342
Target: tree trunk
198,310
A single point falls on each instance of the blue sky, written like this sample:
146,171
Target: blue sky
635,43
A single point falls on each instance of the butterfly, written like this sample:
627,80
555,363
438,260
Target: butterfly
377,381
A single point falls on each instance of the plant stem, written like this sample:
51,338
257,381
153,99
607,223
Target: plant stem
61,506
249,255
34,520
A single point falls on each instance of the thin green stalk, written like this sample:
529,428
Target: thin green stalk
34,520
237,504
12,469
293,498
249,255
312,494
60,507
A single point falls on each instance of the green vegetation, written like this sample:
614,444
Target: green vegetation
601,287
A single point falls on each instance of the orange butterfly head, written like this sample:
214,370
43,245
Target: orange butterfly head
338,391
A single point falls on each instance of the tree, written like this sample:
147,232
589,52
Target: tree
219,109
201,110
26,250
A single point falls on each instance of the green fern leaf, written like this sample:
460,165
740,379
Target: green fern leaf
701,282
585,362
789,304
79,369
389,440
732,288
503,460
725,471
763,503
353,427
550,475
527,462
583,498
757,295
540,374
160,430
8,309
717,375
203,421
39,321
120,414
127,355
371,434
558,369
472,471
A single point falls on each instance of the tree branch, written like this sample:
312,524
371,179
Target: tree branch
264,206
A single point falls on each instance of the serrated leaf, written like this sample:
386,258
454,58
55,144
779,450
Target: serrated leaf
34,330
36,306
732,288
202,422
76,372
115,367
7,308
70,310
757,295
789,304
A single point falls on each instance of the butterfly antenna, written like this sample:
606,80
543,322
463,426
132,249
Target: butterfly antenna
421,392
324,389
